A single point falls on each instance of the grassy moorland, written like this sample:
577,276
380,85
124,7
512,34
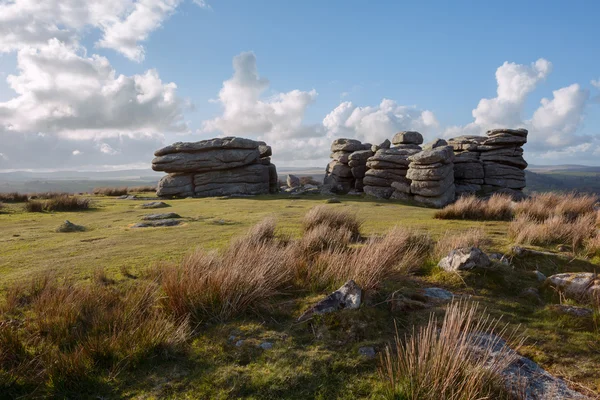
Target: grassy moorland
182,312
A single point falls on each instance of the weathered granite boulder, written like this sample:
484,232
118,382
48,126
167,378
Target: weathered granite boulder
292,181
438,201
346,297
407,137
379,192
435,143
178,185
437,173
202,161
350,145
442,154
464,259
581,286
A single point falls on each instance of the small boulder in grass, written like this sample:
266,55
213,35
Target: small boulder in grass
157,224
155,204
154,217
346,297
464,259
68,226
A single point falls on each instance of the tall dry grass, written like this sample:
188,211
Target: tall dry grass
54,334
557,229
473,237
110,191
61,202
333,218
399,252
499,207
442,363
13,197
212,286
141,189
543,206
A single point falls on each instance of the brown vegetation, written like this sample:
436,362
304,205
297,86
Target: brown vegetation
441,363
110,191
141,189
333,218
62,202
474,237
497,208
13,197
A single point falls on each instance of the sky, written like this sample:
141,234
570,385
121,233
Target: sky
102,84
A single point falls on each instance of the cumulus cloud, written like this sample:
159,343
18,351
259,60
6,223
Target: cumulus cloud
59,90
375,124
554,125
124,24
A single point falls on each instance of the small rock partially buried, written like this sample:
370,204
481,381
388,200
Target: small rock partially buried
348,296
368,352
157,224
68,226
466,258
155,204
154,217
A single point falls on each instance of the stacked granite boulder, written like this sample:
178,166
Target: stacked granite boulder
389,166
358,164
503,162
338,174
216,167
468,168
431,173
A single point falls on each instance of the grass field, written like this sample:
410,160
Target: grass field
317,359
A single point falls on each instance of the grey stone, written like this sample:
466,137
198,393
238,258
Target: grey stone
511,151
266,345
155,204
378,191
516,161
368,352
505,139
468,171
539,276
464,188
264,150
430,190
273,179
359,172
341,156
464,259
407,137
210,160
179,185
516,132
390,174
506,183
466,157
232,189
68,227
340,169
442,154
575,311
377,164
403,187
361,156
386,144
402,196
436,294
466,143
239,343
292,181
407,147
439,201
154,217
229,142
426,166
430,174
346,145
157,224
435,143
499,257
577,285
346,297
524,378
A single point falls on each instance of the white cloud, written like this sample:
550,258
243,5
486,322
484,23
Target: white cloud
124,24
202,4
76,152
61,91
375,124
595,83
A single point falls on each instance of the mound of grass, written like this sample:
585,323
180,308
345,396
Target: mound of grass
141,189
13,197
441,363
497,208
333,218
474,237
110,191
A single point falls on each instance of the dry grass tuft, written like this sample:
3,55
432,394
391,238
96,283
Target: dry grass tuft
333,218
322,238
474,237
47,195
209,286
13,197
72,332
34,206
543,206
498,207
399,252
141,189
441,363
558,229
62,202
110,191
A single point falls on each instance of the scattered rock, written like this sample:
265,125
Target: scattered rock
539,276
523,375
436,294
155,204
346,297
407,137
463,259
499,257
157,224
239,343
577,285
126,197
368,352
575,311
293,181
154,217
435,143
266,345
68,226
532,294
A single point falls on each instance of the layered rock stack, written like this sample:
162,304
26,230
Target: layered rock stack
358,164
503,162
468,168
216,167
339,176
431,173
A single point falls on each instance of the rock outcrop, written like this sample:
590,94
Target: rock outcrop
431,173
216,167
340,172
465,259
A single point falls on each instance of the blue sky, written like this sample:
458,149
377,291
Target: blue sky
440,57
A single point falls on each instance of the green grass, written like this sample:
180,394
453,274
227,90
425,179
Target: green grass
316,359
